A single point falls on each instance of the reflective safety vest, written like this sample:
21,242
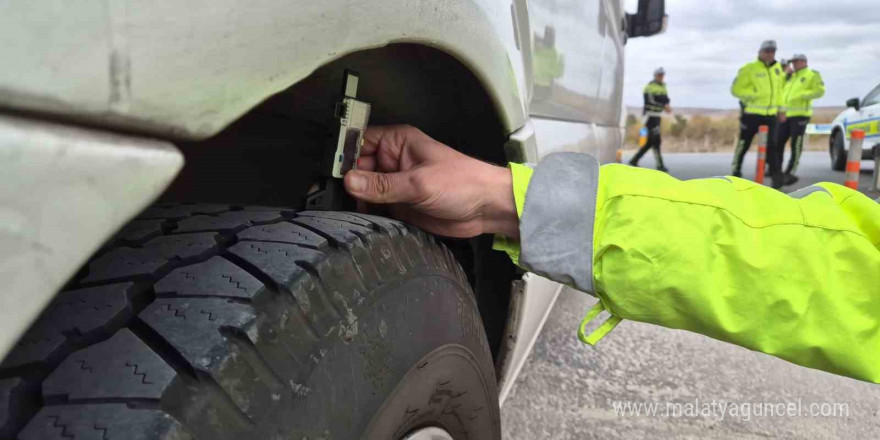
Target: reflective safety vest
656,98
759,87
796,276
801,88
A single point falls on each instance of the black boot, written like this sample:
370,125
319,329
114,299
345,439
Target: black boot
778,179
791,179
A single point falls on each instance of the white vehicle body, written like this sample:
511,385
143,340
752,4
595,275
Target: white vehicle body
158,73
865,117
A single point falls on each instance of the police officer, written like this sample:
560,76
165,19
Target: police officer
802,86
656,101
712,256
758,85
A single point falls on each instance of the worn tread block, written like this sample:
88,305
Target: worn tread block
193,326
342,233
227,221
284,232
267,208
125,262
140,230
215,277
12,392
183,246
83,312
277,260
335,215
180,211
120,367
101,422
392,227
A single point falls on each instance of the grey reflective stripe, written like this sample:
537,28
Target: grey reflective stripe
736,164
556,228
653,113
798,147
803,192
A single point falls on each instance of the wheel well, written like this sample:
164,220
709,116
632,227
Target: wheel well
272,155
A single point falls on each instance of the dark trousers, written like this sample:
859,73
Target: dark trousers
653,126
794,128
748,127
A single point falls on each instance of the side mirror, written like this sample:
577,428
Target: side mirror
649,20
854,103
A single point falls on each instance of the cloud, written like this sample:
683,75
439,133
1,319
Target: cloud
706,42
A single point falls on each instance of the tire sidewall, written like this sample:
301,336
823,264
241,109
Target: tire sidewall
838,152
395,373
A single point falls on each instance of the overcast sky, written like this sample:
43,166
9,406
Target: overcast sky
708,40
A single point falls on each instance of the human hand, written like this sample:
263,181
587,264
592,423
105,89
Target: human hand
668,108
432,186
781,116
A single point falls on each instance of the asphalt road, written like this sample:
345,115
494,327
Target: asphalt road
568,390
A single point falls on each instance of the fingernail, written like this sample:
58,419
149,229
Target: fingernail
357,182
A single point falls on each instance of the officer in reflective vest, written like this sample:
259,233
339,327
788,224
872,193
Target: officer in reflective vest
802,86
796,276
758,85
656,102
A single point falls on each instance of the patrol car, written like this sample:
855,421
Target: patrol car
862,115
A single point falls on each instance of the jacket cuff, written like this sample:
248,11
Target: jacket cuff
521,175
556,226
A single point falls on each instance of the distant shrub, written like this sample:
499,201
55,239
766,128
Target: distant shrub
678,127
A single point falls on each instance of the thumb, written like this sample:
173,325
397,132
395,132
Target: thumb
380,187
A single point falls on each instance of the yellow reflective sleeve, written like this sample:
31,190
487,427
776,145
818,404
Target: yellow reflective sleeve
816,88
603,329
779,81
794,277
521,175
742,87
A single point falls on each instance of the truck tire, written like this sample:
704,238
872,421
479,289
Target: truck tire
215,322
838,152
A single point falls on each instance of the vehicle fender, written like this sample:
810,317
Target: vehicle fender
63,192
188,70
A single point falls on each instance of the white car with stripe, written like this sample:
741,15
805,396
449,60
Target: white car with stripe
862,115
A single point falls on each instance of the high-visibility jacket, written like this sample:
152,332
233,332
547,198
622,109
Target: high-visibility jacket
759,87
656,98
796,276
801,88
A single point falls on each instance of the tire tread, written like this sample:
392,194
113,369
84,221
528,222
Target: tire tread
188,303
